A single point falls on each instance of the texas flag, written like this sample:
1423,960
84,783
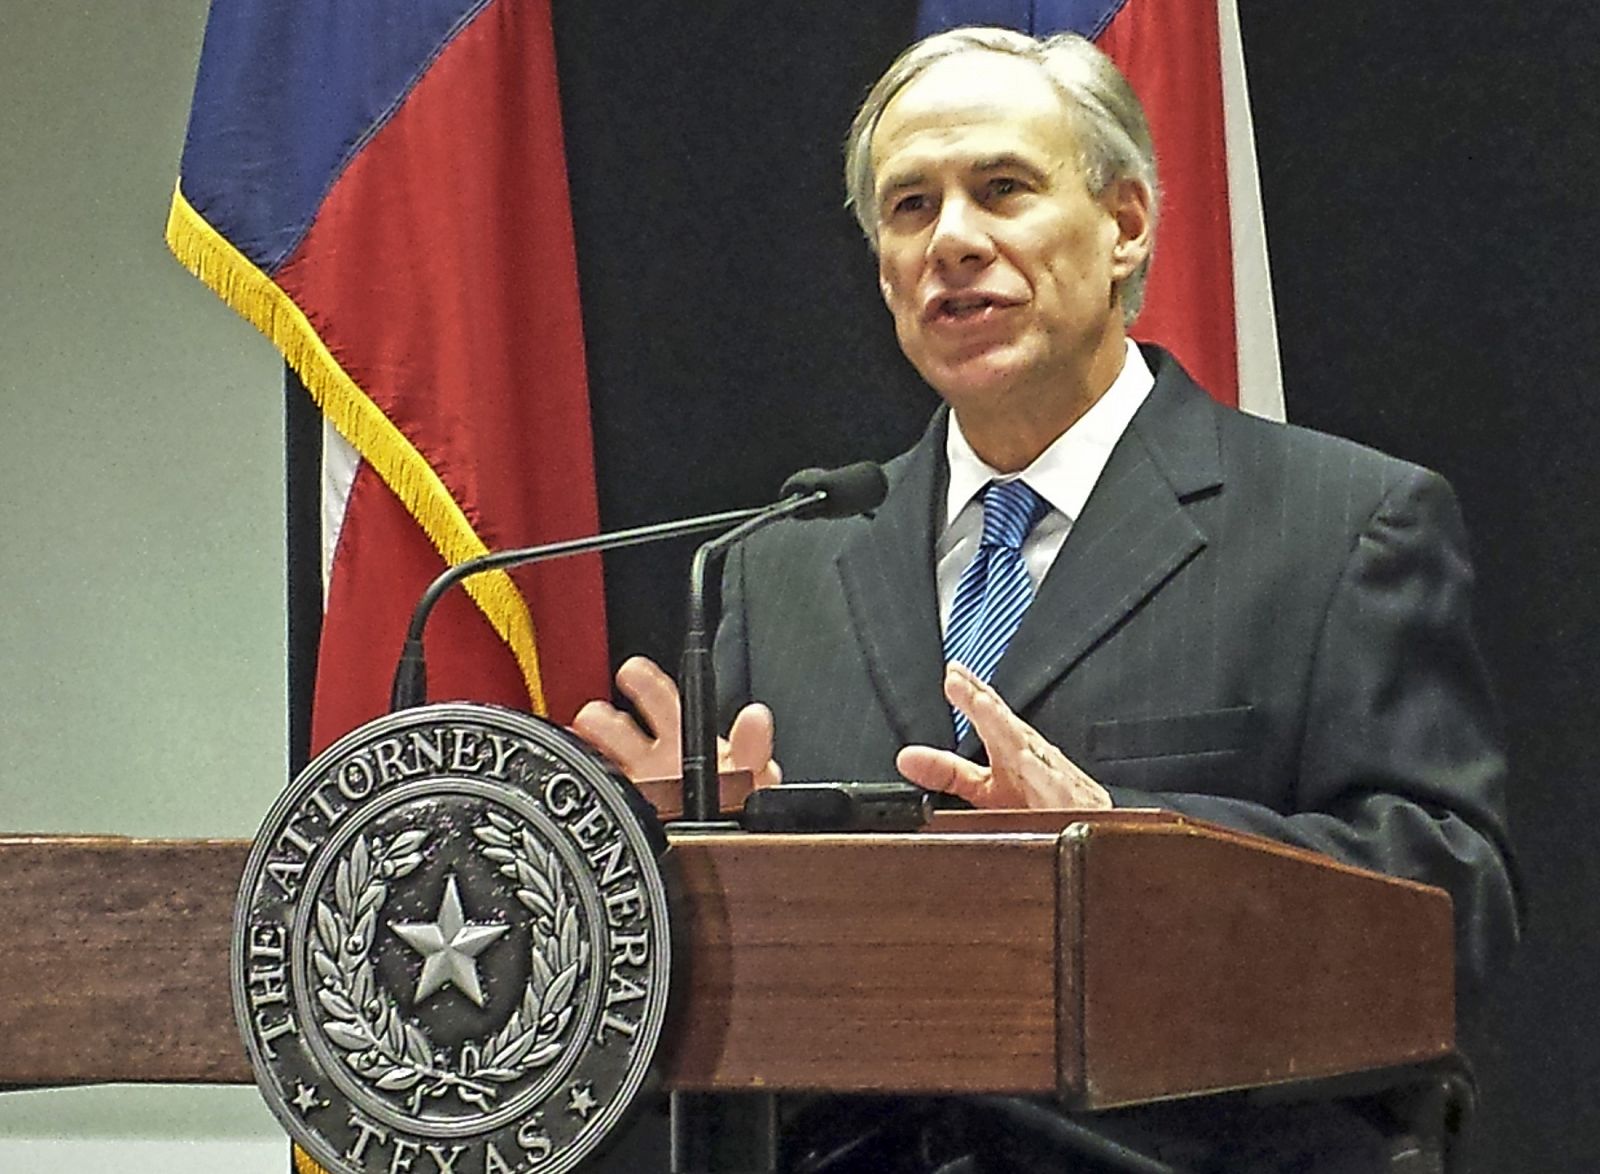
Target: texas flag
1209,297
381,189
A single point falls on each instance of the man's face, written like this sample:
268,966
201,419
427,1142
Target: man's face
996,262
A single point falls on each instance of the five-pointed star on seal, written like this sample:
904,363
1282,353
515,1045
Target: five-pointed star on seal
583,1102
449,946
305,1098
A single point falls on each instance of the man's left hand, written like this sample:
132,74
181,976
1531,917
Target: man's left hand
1025,769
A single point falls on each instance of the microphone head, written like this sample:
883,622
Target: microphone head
854,489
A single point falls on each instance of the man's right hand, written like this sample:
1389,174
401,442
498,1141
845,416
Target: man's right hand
654,750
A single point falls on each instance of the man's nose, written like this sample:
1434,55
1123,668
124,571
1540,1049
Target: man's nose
959,237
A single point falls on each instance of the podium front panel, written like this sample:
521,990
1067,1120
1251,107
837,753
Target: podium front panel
861,963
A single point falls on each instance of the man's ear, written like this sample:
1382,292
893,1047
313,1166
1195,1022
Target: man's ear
1128,203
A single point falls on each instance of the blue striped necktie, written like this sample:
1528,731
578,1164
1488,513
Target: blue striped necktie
994,590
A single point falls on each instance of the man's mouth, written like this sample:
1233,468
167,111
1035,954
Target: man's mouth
963,307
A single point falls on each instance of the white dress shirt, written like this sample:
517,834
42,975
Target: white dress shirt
1062,474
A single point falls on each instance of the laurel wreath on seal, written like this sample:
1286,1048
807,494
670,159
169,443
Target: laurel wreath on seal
395,1055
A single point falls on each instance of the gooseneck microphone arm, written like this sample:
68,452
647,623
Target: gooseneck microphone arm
697,678
811,493
410,686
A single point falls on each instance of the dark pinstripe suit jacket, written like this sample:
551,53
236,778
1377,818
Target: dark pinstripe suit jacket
1252,623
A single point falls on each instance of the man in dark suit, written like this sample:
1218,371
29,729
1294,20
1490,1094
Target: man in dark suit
1237,619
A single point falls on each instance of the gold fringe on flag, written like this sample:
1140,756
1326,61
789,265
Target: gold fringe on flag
304,1163
258,299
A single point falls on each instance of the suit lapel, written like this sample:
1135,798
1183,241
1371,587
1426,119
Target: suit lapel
887,572
1133,536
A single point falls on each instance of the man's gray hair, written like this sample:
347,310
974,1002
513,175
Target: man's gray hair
1107,120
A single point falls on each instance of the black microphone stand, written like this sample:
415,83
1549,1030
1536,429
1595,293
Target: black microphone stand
702,799
810,493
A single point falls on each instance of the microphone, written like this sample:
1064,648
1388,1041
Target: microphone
810,489
854,489
810,493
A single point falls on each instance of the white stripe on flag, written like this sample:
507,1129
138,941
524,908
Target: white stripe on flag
340,463
1255,322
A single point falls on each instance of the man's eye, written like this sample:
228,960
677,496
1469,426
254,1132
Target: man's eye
1002,185
908,203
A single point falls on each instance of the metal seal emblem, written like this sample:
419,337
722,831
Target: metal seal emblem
452,949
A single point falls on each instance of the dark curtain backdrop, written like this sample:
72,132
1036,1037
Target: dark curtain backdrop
1429,177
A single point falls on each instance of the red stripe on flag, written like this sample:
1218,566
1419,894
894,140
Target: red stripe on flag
1170,52
442,274
383,563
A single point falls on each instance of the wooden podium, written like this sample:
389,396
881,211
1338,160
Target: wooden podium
1107,959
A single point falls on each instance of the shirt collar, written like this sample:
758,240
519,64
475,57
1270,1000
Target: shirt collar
1065,472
